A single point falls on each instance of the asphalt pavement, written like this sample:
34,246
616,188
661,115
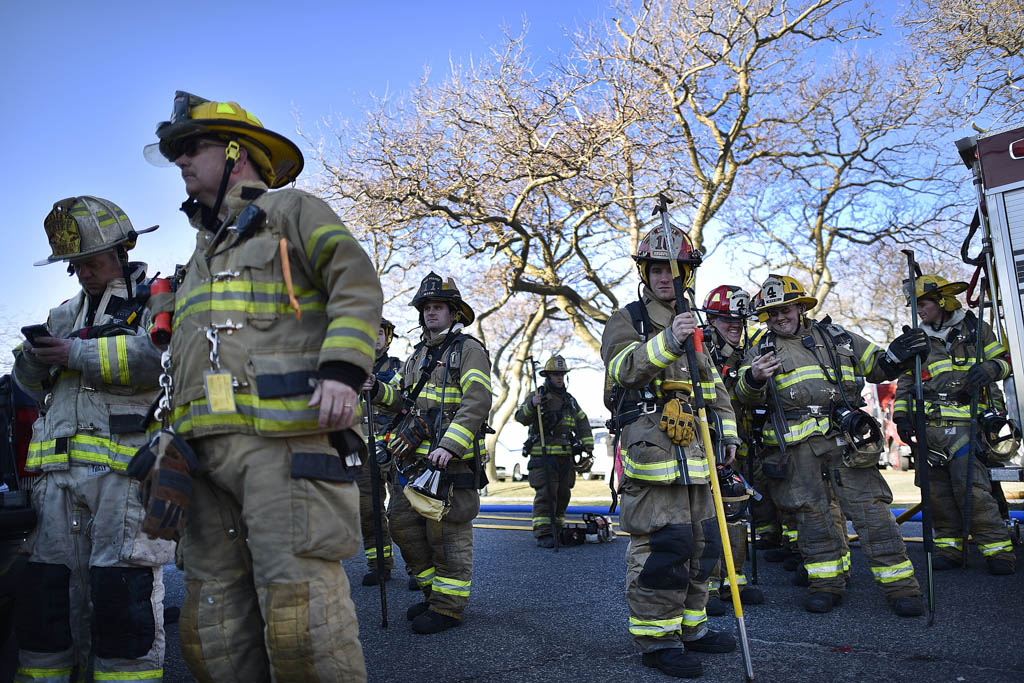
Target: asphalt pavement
537,615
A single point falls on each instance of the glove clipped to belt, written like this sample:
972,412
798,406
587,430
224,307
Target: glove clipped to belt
165,466
677,422
413,431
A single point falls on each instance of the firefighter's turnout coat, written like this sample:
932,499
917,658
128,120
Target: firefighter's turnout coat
88,543
276,508
551,467
455,401
808,386
948,411
666,496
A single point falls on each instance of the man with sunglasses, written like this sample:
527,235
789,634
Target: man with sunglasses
274,320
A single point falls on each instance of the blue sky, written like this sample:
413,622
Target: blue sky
85,84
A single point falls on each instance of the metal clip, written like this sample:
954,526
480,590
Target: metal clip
815,411
227,326
647,408
225,275
86,428
213,336
163,407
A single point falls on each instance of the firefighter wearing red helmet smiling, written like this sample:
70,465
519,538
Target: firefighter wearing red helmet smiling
727,308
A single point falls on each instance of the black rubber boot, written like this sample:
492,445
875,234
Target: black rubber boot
821,603
414,585
941,563
373,578
171,615
998,566
432,622
545,542
776,555
674,662
768,543
751,595
716,607
416,610
792,562
715,642
907,606
800,578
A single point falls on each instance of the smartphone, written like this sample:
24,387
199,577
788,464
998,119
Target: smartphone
34,332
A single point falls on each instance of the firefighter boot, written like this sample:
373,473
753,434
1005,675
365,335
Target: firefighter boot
546,542
714,642
751,595
792,562
907,606
941,563
373,578
433,622
416,610
716,607
998,566
414,585
674,662
776,554
821,603
801,578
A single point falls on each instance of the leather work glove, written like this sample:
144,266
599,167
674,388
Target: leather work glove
903,349
981,375
677,421
165,466
905,428
413,431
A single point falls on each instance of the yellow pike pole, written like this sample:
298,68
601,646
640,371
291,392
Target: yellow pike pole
702,415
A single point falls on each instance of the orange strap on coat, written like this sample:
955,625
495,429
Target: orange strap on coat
287,268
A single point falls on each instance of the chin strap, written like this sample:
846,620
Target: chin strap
231,155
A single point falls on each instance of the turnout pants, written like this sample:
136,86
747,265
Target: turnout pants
949,500
815,477
94,581
552,479
440,554
673,546
366,518
266,595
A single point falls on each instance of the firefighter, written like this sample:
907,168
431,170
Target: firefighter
273,336
444,391
94,582
551,466
949,373
667,505
727,307
830,447
384,368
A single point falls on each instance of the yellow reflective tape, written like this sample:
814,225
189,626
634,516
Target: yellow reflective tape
102,350
149,675
121,343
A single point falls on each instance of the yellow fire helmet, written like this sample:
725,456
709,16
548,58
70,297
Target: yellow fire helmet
83,226
278,158
938,288
433,288
780,290
388,328
555,364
